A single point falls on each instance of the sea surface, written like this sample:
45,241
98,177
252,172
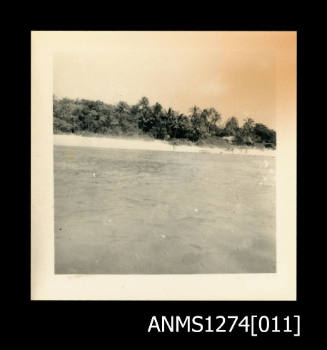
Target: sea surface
157,212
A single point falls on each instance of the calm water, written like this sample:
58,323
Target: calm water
150,212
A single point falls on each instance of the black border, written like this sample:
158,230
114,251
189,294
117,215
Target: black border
132,317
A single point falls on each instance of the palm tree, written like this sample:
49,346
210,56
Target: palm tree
231,126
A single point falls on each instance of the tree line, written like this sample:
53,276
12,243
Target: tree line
81,115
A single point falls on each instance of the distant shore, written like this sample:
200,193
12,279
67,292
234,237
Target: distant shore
153,145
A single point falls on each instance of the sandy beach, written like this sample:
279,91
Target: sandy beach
152,145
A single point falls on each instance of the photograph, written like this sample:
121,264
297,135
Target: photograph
163,164
164,156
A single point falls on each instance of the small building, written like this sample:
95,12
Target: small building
229,139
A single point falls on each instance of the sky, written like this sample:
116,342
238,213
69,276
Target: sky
238,73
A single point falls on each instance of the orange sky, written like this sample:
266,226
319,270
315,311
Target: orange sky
238,73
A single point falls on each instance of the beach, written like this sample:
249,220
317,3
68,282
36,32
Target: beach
153,145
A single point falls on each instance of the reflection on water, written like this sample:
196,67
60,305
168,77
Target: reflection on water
151,212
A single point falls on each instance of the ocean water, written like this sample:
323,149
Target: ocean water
157,212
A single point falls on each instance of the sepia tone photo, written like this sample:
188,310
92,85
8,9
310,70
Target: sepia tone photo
164,161
164,152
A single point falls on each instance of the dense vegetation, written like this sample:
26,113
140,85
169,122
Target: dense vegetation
200,126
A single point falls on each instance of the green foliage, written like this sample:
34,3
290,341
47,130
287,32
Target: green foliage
231,127
264,134
252,133
200,126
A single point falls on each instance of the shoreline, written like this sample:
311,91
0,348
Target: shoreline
152,145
